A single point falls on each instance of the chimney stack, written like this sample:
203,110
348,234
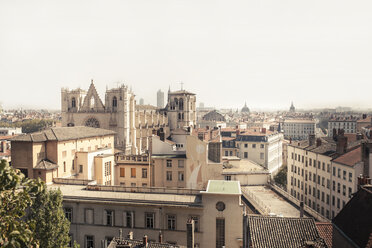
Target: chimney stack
318,142
301,209
190,233
145,241
311,139
341,143
366,152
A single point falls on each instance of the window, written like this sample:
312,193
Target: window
133,184
73,102
333,185
180,176
318,194
89,241
108,168
350,176
338,187
253,145
344,175
64,166
220,233
328,183
262,146
343,190
328,169
89,216
114,102
144,173
169,163
169,176
333,200
245,145
323,180
350,192
261,155
334,171
245,154
318,164
181,163
108,218
171,220
323,166
338,202
327,199
68,213
226,153
128,219
133,172
310,160
339,173
73,164
149,220
81,168
122,172
322,196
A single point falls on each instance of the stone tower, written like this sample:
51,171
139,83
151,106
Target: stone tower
181,109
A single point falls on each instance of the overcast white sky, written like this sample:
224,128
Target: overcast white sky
317,53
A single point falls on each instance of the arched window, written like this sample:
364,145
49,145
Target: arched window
92,102
114,102
73,102
181,104
176,101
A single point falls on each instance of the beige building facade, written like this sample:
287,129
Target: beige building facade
324,175
97,213
66,152
133,170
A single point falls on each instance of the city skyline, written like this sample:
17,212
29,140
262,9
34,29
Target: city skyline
238,52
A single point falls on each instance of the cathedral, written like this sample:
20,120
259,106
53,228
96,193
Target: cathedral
134,124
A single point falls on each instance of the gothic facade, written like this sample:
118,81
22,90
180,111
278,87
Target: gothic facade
133,125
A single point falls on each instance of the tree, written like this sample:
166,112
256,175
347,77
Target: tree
281,177
30,214
51,227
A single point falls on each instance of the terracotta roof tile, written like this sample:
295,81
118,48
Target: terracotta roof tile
325,231
350,158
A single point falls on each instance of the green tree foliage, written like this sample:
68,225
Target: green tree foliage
281,177
30,215
29,126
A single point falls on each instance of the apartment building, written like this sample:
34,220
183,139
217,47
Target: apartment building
132,170
66,152
184,160
323,172
261,146
348,124
298,129
97,213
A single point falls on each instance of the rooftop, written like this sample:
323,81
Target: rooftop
223,187
242,167
118,194
267,231
350,158
63,133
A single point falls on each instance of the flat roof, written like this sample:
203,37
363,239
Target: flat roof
80,193
223,187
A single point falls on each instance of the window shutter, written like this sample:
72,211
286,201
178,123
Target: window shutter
105,217
125,219
132,219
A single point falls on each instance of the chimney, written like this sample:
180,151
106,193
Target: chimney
160,237
190,233
318,142
341,143
263,130
301,209
334,134
145,241
366,152
311,139
130,235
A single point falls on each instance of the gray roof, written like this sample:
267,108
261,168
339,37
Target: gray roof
267,231
63,133
46,165
123,243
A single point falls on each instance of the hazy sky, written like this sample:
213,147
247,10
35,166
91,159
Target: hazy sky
267,53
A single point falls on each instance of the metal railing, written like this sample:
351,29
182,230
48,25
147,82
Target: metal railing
256,202
295,201
159,190
73,181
